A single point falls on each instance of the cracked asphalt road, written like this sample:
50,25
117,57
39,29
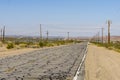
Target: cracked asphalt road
59,63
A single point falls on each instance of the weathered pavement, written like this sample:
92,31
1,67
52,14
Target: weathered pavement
102,64
58,63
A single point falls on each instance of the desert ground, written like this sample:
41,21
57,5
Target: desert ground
7,53
102,64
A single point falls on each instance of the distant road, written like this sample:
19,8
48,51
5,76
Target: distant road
59,63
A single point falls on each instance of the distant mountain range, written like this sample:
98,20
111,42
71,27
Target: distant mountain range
113,38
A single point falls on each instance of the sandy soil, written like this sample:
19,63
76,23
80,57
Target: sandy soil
4,52
102,64
11,52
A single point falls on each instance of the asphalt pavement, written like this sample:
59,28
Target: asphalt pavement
59,63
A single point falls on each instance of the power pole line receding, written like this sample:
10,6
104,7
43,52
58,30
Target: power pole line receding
102,34
47,35
68,35
109,23
3,34
98,37
40,32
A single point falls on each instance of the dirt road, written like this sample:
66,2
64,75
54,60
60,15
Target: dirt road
102,64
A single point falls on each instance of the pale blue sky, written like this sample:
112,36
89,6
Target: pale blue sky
23,17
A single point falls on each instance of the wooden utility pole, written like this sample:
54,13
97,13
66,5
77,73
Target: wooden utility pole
40,32
109,23
3,34
102,34
98,36
47,35
106,39
68,35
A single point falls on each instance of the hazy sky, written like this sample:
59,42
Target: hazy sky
79,17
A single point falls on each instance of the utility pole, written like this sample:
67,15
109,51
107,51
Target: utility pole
40,32
102,34
47,35
109,23
68,34
106,39
98,36
3,34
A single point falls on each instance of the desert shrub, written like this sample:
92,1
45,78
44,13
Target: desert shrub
62,42
17,42
105,45
34,46
50,44
29,43
56,44
41,44
0,44
10,45
23,45
110,48
77,41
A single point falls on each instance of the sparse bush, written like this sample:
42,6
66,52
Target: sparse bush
55,43
0,44
10,45
23,45
77,41
62,42
117,45
50,44
29,43
111,46
17,42
41,44
34,46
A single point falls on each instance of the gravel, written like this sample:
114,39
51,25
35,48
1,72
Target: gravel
59,63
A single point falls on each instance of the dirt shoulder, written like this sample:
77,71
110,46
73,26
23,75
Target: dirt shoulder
102,64
12,52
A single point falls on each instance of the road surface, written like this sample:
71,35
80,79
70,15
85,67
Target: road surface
59,63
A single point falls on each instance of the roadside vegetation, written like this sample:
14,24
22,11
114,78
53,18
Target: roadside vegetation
10,45
19,44
112,46
56,43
